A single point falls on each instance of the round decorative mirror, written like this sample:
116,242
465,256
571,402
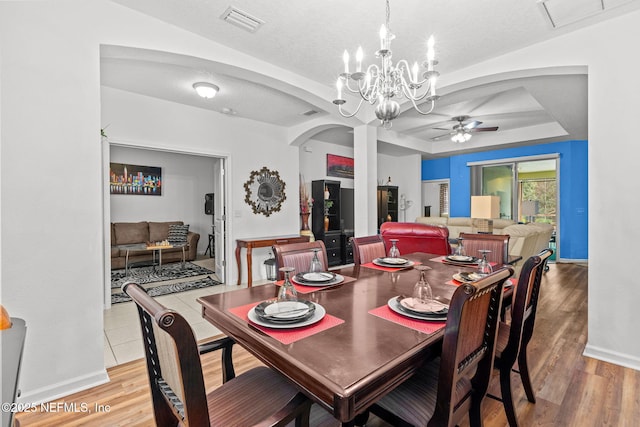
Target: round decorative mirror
264,191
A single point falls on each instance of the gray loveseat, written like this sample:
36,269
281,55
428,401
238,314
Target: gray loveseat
128,233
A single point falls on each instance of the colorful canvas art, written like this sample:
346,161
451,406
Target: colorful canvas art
339,166
135,180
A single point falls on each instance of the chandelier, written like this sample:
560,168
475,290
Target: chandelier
380,84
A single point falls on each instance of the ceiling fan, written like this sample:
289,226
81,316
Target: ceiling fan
462,131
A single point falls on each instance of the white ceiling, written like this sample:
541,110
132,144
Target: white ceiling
308,38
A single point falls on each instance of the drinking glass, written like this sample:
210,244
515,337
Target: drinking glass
460,248
287,292
484,268
316,265
394,252
422,292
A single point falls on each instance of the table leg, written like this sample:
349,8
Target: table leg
238,262
249,258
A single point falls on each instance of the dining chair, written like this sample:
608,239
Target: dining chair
448,387
299,256
367,248
258,396
416,237
514,337
498,244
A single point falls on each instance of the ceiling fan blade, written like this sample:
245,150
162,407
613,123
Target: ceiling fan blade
438,137
487,129
440,129
473,124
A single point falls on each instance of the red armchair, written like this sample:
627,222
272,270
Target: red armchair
416,237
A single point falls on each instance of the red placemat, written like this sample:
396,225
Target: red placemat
304,289
391,269
287,336
424,326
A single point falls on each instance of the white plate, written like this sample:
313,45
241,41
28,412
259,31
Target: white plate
317,316
461,258
378,261
317,277
337,279
394,261
395,306
472,277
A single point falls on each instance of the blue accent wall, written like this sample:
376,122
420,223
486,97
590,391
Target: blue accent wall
574,191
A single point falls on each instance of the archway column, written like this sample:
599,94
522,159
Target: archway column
365,153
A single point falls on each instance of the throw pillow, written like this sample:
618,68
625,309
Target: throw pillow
178,234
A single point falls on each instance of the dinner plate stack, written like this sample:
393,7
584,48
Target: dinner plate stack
286,314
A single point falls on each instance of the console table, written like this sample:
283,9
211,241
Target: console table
261,242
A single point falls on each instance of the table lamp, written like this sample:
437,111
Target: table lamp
483,210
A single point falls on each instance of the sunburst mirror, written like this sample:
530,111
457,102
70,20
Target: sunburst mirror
264,191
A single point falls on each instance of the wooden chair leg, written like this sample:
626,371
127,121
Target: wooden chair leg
507,398
523,368
475,413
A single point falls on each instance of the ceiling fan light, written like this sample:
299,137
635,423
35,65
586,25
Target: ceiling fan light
206,90
461,136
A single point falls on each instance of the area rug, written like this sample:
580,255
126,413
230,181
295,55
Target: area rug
143,275
168,289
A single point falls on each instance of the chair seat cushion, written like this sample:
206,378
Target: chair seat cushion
414,400
249,398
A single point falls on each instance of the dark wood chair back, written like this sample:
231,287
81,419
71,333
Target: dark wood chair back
299,256
368,248
173,362
498,244
468,347
416,237
514,337
177,385
444,390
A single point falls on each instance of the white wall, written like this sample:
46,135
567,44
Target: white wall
185,181
51,180
52,214
313,161
405,172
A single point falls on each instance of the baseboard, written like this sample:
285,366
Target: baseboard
62,389
573,261
614,357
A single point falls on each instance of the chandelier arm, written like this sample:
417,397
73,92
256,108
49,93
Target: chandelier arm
349,88
424,113
350,115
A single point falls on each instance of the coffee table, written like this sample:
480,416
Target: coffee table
154,249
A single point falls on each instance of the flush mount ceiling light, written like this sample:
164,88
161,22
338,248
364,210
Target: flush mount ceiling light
380,84
206,90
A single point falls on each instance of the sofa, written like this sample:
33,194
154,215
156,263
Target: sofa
525,240
416,237
129,233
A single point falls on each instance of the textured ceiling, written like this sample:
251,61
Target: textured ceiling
308,38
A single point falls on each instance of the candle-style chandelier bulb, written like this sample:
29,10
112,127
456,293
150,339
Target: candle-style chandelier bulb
380,84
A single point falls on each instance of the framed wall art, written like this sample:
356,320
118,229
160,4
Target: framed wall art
135,180
339,166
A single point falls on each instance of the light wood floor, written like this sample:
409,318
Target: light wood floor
571,390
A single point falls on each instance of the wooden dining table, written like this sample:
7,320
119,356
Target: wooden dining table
363,353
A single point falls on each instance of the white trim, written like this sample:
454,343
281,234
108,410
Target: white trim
572,261
621,359
515,159
64,388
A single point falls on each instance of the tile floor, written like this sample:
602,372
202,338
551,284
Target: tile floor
122,336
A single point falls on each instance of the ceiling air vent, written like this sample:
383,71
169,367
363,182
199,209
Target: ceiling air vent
309,113
241,19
